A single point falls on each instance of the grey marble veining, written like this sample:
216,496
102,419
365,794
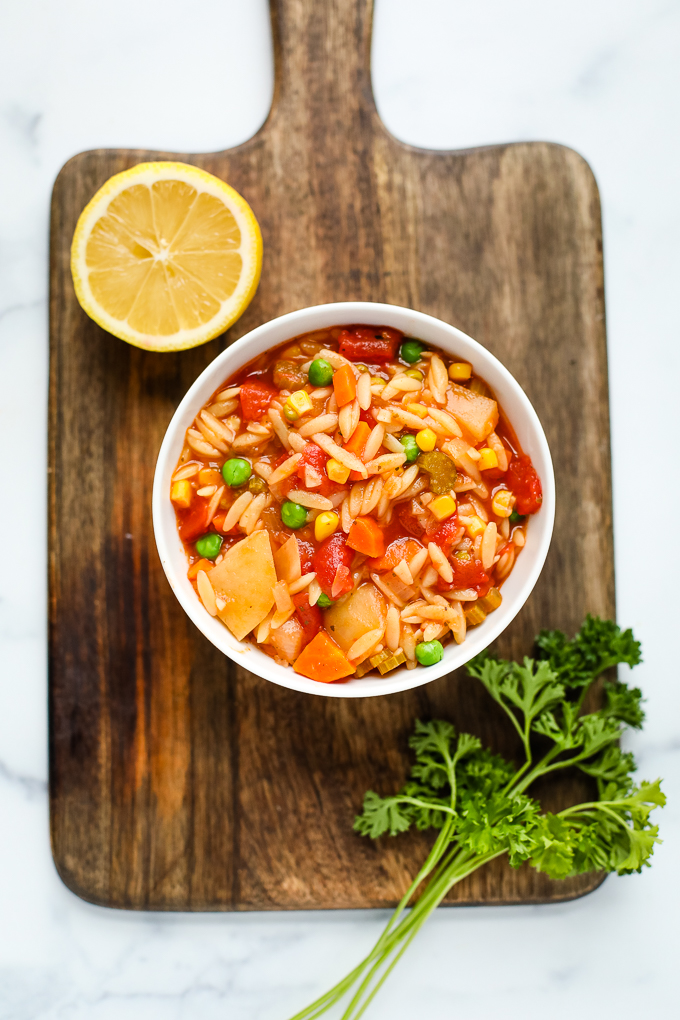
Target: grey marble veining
599,76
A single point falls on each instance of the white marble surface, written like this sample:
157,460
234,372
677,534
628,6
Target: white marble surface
599,75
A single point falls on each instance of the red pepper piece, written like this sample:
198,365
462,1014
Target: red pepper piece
256,396
523,481
328,558
370,344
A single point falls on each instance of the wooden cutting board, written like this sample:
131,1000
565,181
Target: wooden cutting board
178,781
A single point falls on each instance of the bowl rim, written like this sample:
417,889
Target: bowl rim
286,327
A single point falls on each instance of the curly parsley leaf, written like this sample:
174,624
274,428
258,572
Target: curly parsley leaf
524,690
624,703
598,645
381,815
476,801
613,770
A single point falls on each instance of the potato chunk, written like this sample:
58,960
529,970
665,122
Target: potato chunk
355,614
477,414
245,580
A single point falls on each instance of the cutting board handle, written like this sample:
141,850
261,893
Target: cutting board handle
322,62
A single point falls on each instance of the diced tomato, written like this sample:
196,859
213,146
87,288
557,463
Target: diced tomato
400,549
316,458
306,555
309,616
371,345
524,483
332,554
367,417
467,573
411,521
194,522
448,534
342,582
256,396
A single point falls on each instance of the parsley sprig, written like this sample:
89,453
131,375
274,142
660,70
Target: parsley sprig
477,801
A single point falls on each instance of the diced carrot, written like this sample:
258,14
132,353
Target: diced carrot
199,565
356,443
344,385
400,549
322,660
366,536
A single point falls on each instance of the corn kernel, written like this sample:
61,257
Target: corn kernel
502,503
474,526
181,494
426,440
442,507
475,615
418,409
336,471
487,459
300,401
460,371
414,373
325,524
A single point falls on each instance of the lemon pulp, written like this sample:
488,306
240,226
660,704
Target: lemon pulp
166,256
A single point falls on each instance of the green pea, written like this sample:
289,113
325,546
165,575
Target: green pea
428,653
414,373
256,485
320,372
323,601
293,515
411,351
411,448
236,472
516,518
208,546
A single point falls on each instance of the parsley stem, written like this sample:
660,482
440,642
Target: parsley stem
325,1001
448,875
601,805
428,805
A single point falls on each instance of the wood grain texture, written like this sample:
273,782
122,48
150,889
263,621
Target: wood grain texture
177,781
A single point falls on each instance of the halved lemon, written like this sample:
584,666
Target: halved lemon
166,256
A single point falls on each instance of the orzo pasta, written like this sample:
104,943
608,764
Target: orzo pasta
351,501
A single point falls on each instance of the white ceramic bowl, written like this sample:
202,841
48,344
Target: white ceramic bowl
514,401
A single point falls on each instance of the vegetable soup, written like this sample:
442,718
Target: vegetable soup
351,501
